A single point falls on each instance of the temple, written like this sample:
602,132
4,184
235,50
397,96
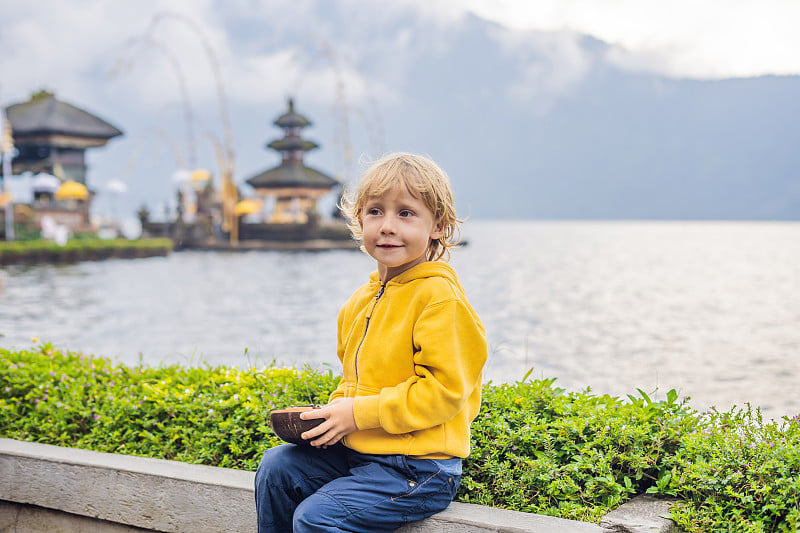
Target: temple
52,136
283,215
292,186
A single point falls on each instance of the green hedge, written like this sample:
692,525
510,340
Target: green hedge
80,249
536,448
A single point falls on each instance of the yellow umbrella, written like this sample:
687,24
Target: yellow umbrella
72,190
200,174
248,206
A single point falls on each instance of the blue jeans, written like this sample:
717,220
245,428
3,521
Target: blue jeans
300,488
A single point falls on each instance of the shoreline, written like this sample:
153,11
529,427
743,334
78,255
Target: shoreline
42,251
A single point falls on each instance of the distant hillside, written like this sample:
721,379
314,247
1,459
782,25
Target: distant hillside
616,145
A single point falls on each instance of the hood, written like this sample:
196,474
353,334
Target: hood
428,269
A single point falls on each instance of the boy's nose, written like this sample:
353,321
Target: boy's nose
388,225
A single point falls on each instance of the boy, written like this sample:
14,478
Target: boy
412,351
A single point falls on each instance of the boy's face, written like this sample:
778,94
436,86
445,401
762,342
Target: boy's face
397,228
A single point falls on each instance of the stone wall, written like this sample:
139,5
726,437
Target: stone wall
52,489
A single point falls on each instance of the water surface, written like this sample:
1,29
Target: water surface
709,308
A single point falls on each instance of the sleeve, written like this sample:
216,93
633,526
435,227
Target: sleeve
338,392
450,351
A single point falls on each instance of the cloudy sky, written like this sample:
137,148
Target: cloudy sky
685,38
147,65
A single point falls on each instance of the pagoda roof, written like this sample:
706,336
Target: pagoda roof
292,142
290,119
292,174
44,114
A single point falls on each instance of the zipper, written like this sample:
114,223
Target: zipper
366,327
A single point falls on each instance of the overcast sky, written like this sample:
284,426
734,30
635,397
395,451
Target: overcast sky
689,38
90,51
58,40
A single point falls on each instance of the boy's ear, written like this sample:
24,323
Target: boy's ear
438,231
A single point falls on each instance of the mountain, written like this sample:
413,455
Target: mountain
547,125
611,145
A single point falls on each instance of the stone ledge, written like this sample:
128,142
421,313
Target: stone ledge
643,514
41,482
152,494
22,518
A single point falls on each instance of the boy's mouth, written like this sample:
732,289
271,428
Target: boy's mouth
389,246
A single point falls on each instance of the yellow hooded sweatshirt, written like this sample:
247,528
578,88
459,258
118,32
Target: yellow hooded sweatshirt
412,353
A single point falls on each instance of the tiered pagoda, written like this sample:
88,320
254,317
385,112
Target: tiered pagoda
52,136
294,186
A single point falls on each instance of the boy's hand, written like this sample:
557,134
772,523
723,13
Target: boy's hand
339,421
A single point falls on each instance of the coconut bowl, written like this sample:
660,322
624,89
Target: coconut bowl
288,426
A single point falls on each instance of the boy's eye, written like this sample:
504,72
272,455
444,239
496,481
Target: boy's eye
406,213
373,211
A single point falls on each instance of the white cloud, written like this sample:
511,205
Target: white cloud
682,38
555,62
69,45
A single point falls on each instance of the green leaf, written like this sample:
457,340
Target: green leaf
645,396
672,396
527,374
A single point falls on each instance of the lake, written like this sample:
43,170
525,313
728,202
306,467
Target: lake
711,309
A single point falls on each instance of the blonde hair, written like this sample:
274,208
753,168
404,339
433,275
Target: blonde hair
424,180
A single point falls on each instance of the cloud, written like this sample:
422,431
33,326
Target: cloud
553,64
682,38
